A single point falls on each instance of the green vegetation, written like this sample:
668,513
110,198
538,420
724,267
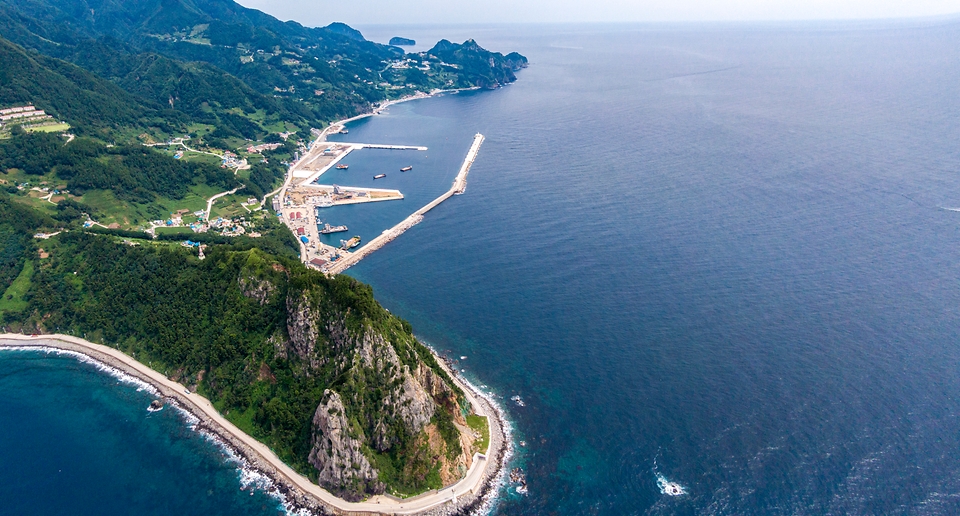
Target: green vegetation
167,68
153,71
132,172
13,297
482,425
193,319
92,105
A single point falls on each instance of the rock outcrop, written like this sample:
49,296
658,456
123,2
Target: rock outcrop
257,289
342,468
302,328
382,397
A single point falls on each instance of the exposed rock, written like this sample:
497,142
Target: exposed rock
258,289
437,388
336,454
302,328
411,403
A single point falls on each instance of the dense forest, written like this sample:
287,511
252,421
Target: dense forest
133,172
167,64
92,105
17,225
224,325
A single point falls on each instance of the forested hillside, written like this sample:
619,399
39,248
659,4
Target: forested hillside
236,69
92,105
282,351
133,172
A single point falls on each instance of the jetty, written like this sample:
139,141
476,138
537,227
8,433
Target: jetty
458,187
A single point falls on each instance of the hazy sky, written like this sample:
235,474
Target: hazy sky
365,12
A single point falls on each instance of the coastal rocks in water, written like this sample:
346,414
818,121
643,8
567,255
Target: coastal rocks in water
342,468
518,400
518,477
155,405
397,41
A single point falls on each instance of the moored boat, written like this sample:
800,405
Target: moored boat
378,176
342,166
327,229
350,244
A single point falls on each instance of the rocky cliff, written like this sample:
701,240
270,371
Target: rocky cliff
386,405
311,366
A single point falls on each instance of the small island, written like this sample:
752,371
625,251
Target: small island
397,41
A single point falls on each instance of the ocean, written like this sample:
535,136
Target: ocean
722,255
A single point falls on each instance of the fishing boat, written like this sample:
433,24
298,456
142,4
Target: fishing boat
379,176
406,169
350,244
342,166
327,229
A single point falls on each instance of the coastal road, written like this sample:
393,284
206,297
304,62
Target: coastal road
200,406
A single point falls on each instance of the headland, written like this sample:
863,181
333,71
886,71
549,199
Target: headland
298,493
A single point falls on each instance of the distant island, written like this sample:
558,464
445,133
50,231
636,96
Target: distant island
139,146
397,41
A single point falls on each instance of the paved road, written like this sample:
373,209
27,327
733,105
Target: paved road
219,195
379,504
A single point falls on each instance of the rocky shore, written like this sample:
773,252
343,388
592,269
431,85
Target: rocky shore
298,494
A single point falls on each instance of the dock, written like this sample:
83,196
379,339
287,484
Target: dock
317,162
458,187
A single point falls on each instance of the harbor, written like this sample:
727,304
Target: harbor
459,185
301,201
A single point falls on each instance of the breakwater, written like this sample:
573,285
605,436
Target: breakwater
458,187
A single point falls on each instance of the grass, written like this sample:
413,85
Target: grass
196,157
174,231
229,207
13,297
52,128
480,424
388,474
109,209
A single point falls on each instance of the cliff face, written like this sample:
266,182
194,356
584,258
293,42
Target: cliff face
313,366
382,403
336,454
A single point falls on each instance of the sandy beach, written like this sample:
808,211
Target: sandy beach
474,493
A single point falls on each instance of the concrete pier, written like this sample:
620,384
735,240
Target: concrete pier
458,187
305,171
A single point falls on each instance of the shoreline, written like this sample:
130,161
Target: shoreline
297,493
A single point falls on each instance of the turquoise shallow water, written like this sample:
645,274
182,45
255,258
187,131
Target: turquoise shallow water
721,255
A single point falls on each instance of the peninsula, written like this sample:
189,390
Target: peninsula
183,109
297,491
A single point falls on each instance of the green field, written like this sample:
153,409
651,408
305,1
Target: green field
229,207
480,424
109,209
52,128
13,298
174,231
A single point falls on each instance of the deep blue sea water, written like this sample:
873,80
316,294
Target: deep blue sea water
719,254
